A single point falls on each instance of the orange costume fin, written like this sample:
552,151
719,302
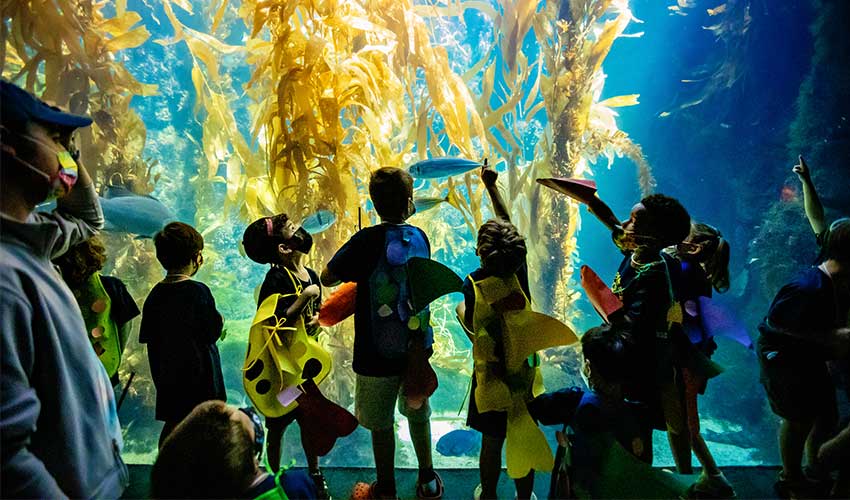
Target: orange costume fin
339,305
603,299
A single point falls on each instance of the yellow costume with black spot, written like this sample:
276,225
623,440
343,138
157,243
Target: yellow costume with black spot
278,352
506,337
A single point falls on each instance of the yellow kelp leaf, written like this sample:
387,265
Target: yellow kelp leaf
183,4
120,24
128,40
603,45
219,14
198,82
720,9
621,101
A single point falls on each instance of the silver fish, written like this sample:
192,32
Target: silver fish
436,168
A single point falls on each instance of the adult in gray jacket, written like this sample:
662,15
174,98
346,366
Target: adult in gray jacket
58,423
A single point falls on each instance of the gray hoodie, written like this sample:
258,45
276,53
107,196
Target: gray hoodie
58,423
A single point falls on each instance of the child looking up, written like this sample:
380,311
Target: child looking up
279,242
382,340
643,284
107,307
806,325
213,453
503,254
703,262
180,325
599,411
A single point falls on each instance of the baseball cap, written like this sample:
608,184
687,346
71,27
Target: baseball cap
19,106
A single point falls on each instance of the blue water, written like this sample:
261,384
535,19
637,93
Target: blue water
722,159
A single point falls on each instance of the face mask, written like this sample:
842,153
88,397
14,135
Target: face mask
585,379
300,241
411,208
61,182
629,240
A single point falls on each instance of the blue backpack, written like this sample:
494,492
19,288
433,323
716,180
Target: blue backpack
395,323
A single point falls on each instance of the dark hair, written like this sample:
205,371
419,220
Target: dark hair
208,455
501,248
714,255
177,244
837,245
667,220
81,261
607,348
261,238
391,189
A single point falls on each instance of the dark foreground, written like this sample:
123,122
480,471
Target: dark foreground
749,482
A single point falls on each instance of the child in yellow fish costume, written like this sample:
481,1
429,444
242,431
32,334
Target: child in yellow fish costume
506,335
285,362
104,301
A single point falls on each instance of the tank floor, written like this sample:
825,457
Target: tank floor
749,482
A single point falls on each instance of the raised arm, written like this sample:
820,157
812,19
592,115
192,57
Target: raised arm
489,178
78,214
814,209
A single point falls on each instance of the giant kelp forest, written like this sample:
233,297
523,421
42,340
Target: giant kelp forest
228,110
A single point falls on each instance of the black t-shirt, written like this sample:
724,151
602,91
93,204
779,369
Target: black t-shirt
646,293
809,303
123,308
278,280
355,262
180,325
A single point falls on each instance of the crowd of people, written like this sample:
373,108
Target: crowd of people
63,337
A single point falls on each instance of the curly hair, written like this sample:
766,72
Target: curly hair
177,244
667,220
391,189
500,247
208,455
714,256
262,236
81,261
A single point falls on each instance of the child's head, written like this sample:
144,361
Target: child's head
706,246
178,246
500,247
274,240
391,190
210,454
837,245
658,221
81,261
605,356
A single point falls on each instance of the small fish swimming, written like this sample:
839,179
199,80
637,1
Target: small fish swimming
437,168
319,221
427,203
128,212
459,443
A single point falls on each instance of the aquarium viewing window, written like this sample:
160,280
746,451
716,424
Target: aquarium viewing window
219,112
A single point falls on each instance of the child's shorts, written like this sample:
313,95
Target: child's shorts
375,399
